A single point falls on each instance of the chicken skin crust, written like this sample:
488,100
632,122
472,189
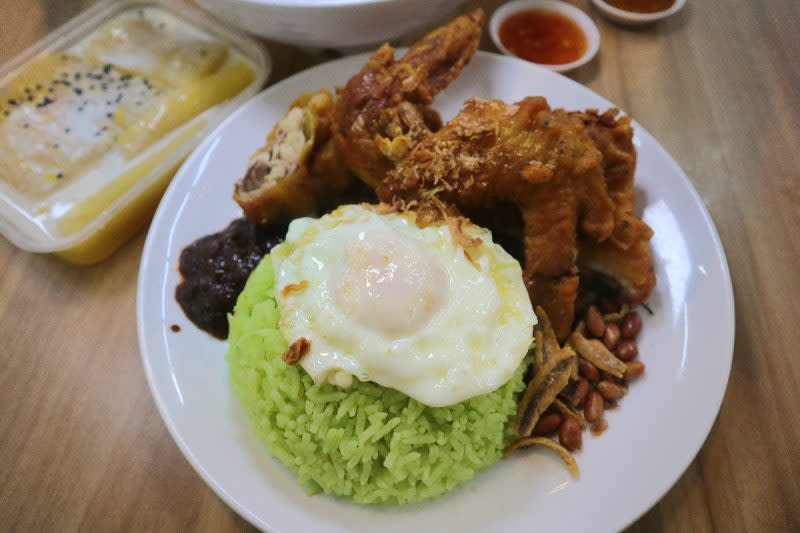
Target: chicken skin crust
384,110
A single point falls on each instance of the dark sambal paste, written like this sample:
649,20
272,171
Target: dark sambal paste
215,268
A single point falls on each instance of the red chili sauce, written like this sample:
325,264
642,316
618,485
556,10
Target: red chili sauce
641,6
543,36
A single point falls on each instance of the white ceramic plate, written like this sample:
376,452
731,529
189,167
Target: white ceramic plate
687,346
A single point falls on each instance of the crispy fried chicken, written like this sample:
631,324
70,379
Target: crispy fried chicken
624,259
383,111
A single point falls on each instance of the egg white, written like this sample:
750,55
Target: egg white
383,300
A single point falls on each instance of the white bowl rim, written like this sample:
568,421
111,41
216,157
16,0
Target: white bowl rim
632,16
316,3
580,17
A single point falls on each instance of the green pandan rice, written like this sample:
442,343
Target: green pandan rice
367,443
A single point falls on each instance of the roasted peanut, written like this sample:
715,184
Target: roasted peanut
588,370
631,325
635,369
611,391
627,350
593,409
595,323
581,390
548,423
599,427
570,435
611,336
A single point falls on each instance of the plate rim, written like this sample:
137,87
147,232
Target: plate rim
202,148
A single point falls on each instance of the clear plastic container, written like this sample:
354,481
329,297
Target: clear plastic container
96,118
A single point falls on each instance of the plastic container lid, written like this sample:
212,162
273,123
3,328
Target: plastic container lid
96,117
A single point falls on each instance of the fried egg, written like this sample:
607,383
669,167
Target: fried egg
380,299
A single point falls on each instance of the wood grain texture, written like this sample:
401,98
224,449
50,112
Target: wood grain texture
82,445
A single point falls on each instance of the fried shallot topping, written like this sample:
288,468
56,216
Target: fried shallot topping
296,351
294,287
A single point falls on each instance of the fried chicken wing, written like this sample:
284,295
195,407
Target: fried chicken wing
299,170
624,259
525,154
613,136
383,111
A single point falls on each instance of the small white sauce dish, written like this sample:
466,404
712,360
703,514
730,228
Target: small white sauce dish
631,18
580,18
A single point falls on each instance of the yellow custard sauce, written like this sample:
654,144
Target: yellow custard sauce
92,132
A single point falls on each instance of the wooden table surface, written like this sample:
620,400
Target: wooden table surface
83,447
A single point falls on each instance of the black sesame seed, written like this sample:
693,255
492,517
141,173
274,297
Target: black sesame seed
55,146
119,98
77,75
78,91
29,98
12,102
125,77
60,175
26,125
46,101
109,115
67,130
106,68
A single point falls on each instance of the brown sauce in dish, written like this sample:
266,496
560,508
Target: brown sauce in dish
543,36
641,6
215,268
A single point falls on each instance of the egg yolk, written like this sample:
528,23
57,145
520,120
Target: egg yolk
390,284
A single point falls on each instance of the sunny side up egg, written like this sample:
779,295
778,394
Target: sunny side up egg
383,300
